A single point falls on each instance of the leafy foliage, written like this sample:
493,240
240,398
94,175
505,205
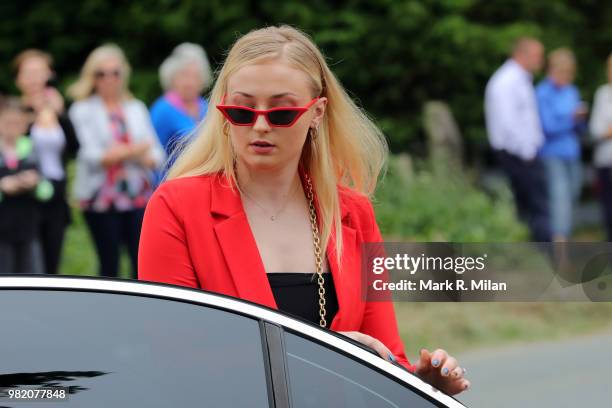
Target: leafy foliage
391,55
429,207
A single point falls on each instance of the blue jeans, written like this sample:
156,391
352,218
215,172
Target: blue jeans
564,180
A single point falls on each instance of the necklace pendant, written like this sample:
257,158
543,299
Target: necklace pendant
272,218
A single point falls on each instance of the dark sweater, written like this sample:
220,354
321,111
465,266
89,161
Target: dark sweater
19,214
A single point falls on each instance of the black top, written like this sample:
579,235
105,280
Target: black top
298,294
19,214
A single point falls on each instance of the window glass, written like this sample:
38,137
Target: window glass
321,377
129,351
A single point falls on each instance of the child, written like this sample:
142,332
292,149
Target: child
21,190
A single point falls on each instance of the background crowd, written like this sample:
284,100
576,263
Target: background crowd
120,148
81,107
536,134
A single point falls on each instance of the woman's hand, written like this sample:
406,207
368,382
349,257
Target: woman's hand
120,152
116,153
142,154
10,185
54,100
28,179
371,342
442,371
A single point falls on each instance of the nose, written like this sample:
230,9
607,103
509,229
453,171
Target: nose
261,124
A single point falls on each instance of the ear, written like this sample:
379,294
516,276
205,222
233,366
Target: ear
319,112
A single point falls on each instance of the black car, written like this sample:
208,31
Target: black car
118,343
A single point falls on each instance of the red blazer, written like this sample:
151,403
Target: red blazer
196,234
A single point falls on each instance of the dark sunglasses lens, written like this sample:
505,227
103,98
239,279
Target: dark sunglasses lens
102,74
240,116
282,116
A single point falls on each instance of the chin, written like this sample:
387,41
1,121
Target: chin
262,164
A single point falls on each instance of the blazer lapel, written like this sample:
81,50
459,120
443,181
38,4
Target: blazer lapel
238,245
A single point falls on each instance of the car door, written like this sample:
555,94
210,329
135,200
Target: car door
133,344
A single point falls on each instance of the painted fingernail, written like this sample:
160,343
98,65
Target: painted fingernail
435,362
392,358
445,371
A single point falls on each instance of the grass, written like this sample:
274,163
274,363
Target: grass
466,326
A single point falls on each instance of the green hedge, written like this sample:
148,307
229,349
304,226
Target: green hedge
392,55
425,207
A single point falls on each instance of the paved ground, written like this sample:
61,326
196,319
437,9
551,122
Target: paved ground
568,373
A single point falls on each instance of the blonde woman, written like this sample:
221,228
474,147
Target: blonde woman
273,189
119,149
563,118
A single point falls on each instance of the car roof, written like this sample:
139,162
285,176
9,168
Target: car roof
201,297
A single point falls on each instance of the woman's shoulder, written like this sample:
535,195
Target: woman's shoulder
134,103
604,90
160,105
355,203
82,105
187,185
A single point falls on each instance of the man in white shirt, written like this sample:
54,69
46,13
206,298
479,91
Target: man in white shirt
515,133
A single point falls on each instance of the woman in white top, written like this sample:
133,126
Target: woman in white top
119,151
601,129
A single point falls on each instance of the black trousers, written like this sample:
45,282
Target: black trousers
53,223
21,257
55,217
111,230
528,183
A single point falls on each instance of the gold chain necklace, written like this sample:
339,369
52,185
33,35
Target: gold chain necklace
317,251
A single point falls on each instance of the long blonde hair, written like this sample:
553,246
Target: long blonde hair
84,87
348,151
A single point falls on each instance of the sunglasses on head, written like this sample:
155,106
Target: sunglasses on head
284,116
112,73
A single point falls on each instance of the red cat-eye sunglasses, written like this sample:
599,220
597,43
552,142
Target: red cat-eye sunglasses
283,116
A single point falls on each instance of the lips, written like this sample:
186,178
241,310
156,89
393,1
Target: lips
262,147
262,143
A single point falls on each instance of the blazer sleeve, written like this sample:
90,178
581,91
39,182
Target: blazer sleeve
72,143
163,254
91,150
157,151
379,319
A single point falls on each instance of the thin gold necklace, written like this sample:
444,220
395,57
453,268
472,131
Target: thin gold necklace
274,216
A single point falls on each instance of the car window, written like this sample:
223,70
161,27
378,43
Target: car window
320,376
116,350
